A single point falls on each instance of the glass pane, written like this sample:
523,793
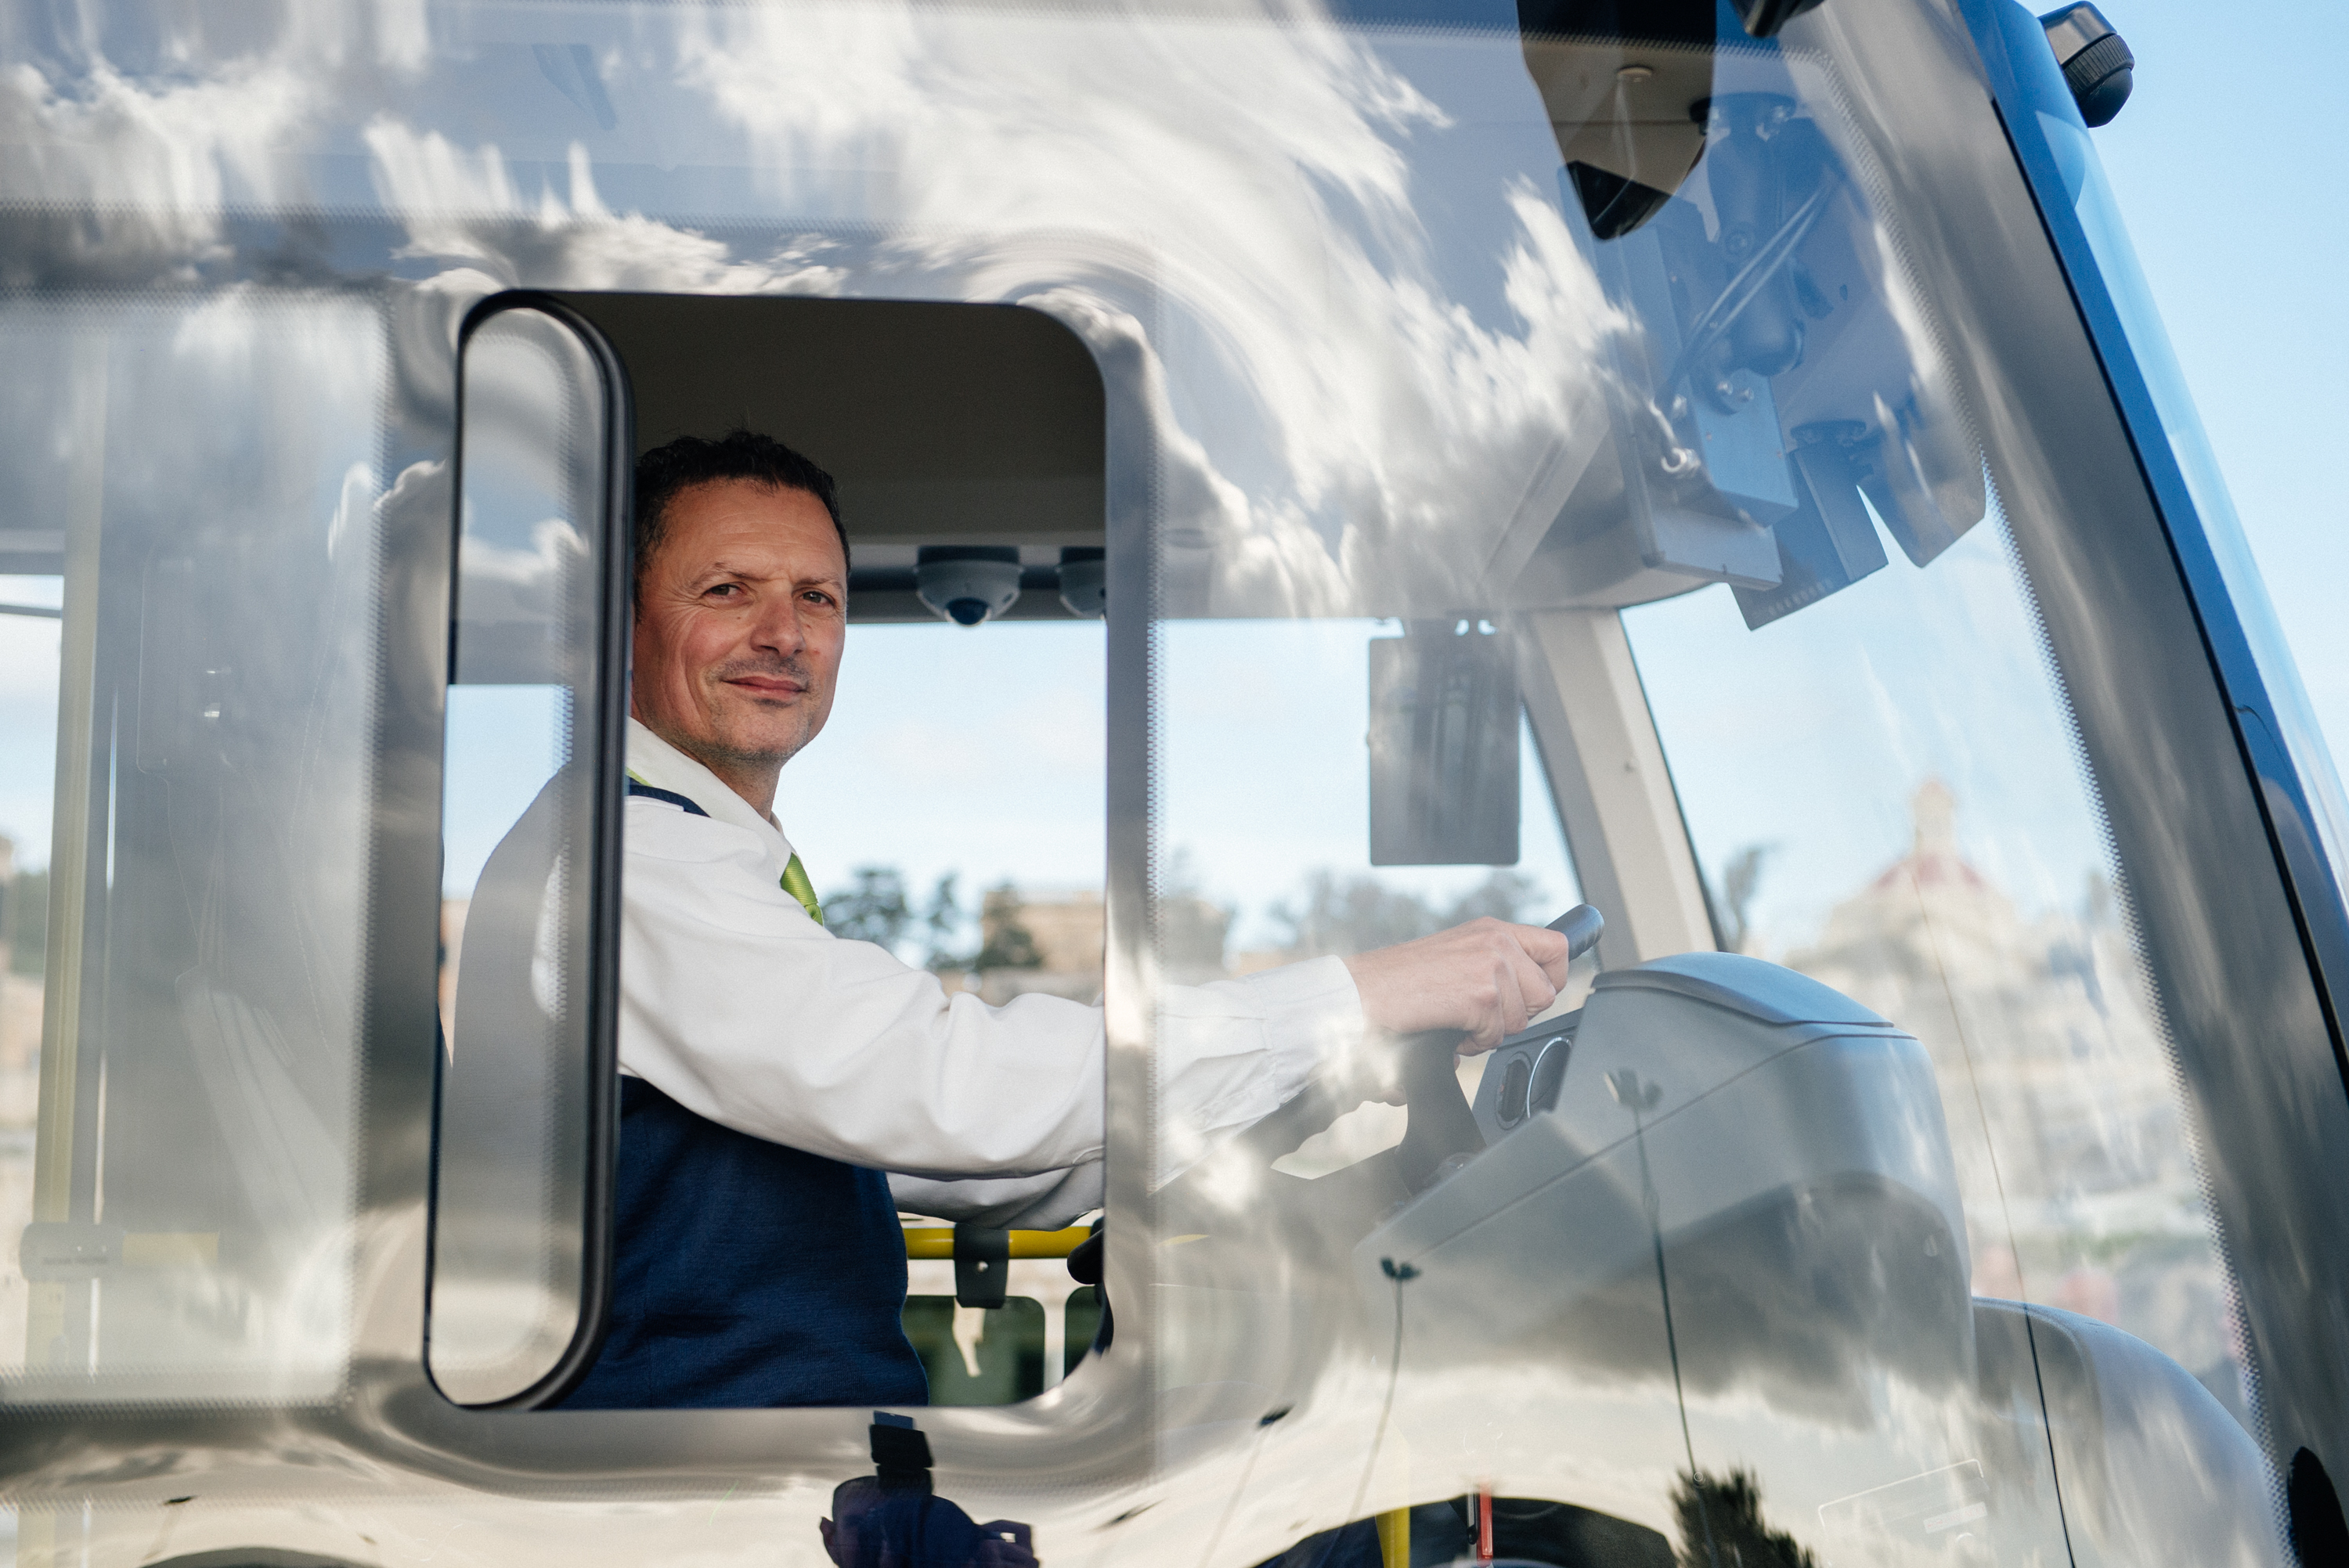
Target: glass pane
185,781
2091,197
1918,834
519,815
1268,798
1743,1259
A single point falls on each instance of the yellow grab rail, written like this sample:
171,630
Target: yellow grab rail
1395,1537
937,1241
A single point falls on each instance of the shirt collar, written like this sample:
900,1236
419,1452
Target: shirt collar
663,767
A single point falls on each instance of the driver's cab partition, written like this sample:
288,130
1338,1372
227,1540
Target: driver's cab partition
1857,1137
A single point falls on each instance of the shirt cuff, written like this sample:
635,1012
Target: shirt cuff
1312,1019
1314,997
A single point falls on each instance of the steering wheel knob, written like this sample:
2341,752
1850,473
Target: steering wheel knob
1581,926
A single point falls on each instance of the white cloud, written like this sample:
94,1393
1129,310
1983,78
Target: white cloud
1263,178
463,205
156,162
1229,208
426,173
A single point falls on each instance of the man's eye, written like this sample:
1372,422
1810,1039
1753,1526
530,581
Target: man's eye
724,588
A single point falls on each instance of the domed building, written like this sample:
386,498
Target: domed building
2077,1174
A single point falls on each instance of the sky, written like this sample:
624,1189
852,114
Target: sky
1811,753
2228,167
28,716
992,769
2223,168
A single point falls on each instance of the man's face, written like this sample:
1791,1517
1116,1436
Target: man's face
741,614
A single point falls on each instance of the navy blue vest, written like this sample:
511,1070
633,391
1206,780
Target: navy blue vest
747,1274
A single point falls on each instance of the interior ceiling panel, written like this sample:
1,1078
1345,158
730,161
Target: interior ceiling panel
944,424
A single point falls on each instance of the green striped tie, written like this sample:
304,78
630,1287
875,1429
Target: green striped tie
796,883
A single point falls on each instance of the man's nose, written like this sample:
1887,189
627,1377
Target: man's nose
779,626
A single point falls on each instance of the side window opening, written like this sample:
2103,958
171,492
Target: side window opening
951,810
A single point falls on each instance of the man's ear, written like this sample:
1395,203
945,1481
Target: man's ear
824,1528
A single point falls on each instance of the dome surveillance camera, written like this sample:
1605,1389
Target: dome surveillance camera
1084,582
967,584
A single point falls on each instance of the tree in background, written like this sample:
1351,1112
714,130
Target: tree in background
1004,942
1350,914
876,909
943,919
1722,1525
873,910
1192,929
1504,895
24,922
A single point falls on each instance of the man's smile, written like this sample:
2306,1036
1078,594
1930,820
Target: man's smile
781,688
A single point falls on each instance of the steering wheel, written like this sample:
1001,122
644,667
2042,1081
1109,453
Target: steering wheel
1442,1128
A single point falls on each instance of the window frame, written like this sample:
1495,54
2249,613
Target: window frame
1100,1421
607,755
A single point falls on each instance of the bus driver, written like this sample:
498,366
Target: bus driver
773,1072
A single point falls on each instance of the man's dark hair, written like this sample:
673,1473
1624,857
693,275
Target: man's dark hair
692,460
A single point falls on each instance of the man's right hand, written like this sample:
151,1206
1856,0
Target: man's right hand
1489,978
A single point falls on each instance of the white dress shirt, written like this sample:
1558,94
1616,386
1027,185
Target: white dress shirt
742,1009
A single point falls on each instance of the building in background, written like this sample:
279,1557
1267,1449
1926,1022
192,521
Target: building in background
2077,1171
1036,939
